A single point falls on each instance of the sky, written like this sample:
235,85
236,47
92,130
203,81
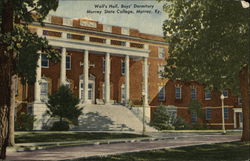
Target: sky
147,16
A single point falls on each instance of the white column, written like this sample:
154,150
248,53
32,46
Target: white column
127,78
63,67
38,79
107,78
85,76
145,82
235,126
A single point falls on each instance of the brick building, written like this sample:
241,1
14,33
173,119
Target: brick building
113,65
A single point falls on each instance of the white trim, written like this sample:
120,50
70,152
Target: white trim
102,48
125,31
107,28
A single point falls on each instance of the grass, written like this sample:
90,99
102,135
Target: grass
234,151
74,136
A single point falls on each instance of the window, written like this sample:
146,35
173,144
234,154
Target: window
68,62
239,101
208,113
45,61
160,70
193,117
207,94
123,68
193,93
177,92
161,52
44,90
69,36
225,93
67,84
123,93
226,113
123,43
161,94
172,111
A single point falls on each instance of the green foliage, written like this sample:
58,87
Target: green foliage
24,122
196,107
208,41
63,104
20,43
161,119
60,126
199,126
180,124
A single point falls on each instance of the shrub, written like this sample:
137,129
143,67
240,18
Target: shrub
63,104
180,124
24,122
161,119
60,126
199,126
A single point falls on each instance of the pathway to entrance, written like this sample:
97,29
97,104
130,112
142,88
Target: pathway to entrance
108,149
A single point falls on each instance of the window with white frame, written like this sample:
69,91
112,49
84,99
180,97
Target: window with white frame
161,94
161,52
239,101
68,84
208,113
44,90
193,117
208,95
123,68
172,111
160,70
177,92
68,62
44,61
226,113
193,93
225,93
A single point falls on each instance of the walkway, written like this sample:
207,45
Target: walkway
108,149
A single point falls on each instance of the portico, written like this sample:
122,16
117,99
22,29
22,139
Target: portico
107,50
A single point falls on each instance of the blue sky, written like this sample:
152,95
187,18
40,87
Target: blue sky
146,22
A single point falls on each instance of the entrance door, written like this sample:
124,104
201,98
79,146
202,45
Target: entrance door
241,119
123,94
91,93
91,90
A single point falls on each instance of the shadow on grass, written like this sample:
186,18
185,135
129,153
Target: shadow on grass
235,151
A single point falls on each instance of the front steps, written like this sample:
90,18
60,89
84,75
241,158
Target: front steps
109,118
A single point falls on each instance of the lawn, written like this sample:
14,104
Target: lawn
74,136
235,151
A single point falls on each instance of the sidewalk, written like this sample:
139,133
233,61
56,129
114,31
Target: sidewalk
80,151
153,136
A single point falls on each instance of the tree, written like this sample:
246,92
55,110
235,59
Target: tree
196,107
209,43
161,119
64,104
18,43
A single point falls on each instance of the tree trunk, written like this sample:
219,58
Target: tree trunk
6,71
12,111
244,87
